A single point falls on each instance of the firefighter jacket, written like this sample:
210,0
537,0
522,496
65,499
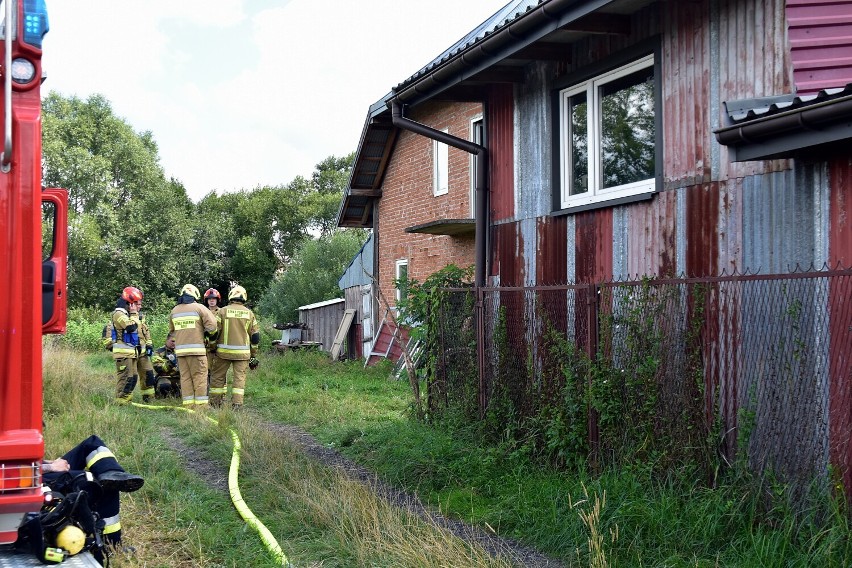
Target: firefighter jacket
144,333
211,346
125,343
239,333
165,362
191,323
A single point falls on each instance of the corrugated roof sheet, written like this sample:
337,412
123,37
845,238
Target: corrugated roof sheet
749,109
505,15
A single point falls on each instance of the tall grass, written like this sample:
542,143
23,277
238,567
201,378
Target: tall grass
625,517
181,517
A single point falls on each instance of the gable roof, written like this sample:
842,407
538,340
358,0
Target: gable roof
496,51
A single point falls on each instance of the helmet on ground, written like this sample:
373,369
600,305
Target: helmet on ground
191,290
71,538
212,293
131,294
237,293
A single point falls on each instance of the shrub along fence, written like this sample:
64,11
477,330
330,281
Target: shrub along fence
670,373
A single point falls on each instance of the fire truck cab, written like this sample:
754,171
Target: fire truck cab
33,245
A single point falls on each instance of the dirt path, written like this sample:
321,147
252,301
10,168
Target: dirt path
509,549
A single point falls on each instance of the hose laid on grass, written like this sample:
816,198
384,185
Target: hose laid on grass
234,489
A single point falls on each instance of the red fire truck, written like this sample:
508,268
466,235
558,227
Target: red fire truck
33,243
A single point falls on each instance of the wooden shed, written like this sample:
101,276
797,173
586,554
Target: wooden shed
322,320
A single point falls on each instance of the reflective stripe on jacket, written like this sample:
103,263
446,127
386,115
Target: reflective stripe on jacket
236,326
189,322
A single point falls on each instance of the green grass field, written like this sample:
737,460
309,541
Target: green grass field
180,518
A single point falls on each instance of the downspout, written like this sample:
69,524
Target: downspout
481,220
481,154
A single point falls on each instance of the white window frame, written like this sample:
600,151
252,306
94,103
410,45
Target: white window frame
595,193
440,167
477,120
400,262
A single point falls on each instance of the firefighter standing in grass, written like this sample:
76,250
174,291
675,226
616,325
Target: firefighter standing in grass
239,336
144,367
193,326
126,345
213,301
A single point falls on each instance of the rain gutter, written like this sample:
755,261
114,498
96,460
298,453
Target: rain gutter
523,31
827,121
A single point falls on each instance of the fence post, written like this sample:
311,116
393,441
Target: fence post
479,315
592,312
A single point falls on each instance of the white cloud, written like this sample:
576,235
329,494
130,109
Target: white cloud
246,93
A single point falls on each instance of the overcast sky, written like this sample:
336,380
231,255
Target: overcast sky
241,93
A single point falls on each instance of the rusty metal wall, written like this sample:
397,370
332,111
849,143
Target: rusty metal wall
840,240
501,159
820,43
322,322
762,358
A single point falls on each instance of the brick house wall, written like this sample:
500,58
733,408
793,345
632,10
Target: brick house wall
408,199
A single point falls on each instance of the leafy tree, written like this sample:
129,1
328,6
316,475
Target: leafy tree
312,276
117,194
327,184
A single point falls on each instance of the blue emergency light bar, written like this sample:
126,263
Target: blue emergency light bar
35,22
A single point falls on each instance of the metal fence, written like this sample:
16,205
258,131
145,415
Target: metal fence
746,369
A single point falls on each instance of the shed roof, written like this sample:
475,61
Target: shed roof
787,125
321,304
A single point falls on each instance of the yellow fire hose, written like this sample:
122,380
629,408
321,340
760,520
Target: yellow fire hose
234,489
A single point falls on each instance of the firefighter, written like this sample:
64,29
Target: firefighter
126,346
93,457
167,382
239,336
213,301
194,327
144,368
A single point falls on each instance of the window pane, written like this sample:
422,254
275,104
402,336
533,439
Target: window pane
579,144
627,128
48,216
442,167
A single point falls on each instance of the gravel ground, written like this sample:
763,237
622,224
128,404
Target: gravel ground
217,477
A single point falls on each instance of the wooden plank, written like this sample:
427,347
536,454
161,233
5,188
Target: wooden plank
342,332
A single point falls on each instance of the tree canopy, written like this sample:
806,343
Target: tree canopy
130,225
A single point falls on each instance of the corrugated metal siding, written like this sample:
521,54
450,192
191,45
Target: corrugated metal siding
753,61
650,228
359,270
501,159
820,34
686,82
781,213
553,253
840,251
593,244
702,207
840,239
508,259
534,145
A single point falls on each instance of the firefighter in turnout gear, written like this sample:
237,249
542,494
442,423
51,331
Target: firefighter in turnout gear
193,326
239,336
126,345
144,368
166,365
213,301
